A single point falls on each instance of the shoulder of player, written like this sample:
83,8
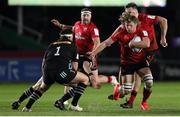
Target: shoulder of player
142,31
77,23
144,16
92,25
120,30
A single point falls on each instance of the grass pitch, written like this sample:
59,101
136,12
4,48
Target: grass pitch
164,101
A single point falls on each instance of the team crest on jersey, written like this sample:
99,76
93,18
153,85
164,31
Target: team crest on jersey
79,36
126,37
85,29
76,28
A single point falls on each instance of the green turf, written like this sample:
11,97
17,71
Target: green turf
165,100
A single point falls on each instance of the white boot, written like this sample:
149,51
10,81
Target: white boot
114,80
26,110
75,108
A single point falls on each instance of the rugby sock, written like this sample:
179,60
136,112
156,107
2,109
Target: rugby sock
109,79
79,90
146,94
132,97
68,95
26,94
35,96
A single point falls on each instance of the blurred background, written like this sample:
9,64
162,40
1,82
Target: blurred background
26,30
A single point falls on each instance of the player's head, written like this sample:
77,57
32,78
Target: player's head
66,34
86,15
122,17
130,23
132,9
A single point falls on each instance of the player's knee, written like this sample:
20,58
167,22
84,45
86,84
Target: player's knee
43,88
127,88
86,80
148,80
36,86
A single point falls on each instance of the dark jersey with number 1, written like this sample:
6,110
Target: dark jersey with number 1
58,60
60,54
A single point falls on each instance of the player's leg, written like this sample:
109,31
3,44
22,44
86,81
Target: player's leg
121,81
127,75
118,90
86,65
79,90
82,81
107,79
28,92
146,74
97,80
66,89
137,84
36,95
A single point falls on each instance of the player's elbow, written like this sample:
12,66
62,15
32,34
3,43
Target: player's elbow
162,20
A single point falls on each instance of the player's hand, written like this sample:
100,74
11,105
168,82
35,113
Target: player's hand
163,42
56,22
130,44
91,54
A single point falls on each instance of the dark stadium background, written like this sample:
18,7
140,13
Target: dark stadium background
21,51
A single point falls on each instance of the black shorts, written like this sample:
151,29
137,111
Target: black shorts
63,76
83,58
131,68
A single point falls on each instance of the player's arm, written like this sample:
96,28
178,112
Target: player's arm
102,46
106,43
75,60
75,65
164,26
145,43
61,26
44,58
96,41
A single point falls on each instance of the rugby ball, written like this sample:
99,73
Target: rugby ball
136,39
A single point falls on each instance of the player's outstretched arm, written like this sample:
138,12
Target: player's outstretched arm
61,26
101,47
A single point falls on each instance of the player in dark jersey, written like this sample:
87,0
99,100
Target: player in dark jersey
60,65
148,22
131,59
87,39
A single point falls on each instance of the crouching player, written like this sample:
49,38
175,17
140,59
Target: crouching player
60,65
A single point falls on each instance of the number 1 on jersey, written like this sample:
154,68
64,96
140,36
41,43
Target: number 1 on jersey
57,52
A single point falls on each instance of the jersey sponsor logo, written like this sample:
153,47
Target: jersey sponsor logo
126,37
151,16
79,36
96,32
63,74
85,29
145,33
77,56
